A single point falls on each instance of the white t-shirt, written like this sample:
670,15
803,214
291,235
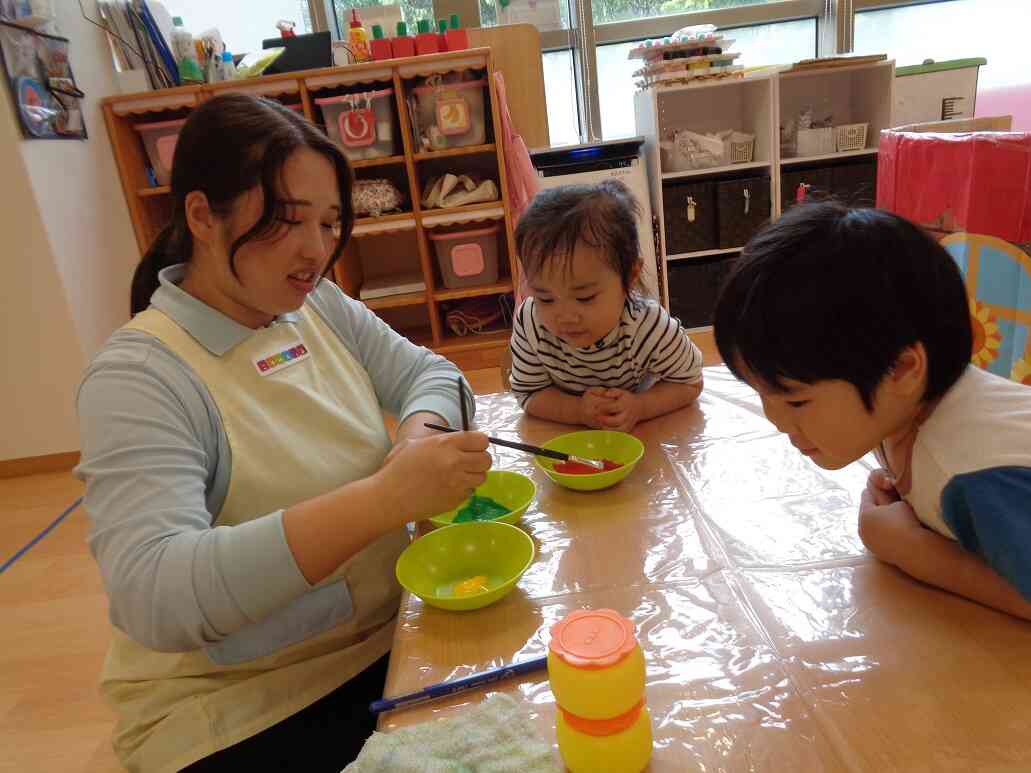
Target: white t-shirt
646,346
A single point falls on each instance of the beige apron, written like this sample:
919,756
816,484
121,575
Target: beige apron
302,418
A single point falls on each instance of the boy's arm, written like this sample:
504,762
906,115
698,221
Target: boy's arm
892,532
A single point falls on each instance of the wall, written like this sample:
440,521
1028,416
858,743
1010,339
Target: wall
67,257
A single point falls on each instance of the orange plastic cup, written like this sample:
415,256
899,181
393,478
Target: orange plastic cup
619,745
595,664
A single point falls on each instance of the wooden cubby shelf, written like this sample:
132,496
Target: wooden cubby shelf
365,163
380,246
473,292
470,150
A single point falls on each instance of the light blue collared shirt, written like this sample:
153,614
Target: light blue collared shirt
156,462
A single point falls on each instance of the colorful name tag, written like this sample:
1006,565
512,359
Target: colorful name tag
278,360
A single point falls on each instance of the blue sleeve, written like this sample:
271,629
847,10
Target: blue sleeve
151,456
407,378
989,511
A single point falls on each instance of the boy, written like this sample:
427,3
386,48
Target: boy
853,326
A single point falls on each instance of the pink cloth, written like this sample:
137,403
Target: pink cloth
1008,100
522,177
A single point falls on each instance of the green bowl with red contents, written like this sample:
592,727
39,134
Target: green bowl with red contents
619,448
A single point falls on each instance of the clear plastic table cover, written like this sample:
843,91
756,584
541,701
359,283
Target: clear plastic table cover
773,640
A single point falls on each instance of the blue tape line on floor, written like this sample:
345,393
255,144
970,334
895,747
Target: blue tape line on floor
6,564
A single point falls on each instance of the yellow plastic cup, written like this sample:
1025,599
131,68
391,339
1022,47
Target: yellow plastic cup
595,665
619,745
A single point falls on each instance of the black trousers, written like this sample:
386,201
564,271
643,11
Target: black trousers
326,736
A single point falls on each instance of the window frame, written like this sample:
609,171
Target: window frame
835,34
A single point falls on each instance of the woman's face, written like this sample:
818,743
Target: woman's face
274,274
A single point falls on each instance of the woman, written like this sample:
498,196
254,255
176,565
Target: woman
246,505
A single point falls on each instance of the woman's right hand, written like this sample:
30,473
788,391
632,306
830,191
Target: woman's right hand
431,475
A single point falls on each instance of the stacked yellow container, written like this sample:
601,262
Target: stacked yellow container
597,675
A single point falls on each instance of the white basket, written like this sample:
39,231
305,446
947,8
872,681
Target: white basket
739,147
815,142
689,150
851,136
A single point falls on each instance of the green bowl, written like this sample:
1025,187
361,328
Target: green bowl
432,565
593,444
511,489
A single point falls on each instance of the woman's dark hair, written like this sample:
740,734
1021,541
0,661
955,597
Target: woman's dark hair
603,216
827,292
229,145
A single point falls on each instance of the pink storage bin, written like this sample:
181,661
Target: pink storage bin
467,257
361,124
159,139
452,115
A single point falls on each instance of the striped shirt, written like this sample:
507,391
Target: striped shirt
648,345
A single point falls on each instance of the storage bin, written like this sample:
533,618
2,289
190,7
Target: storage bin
693,286
850,136
689,212
817,182
361,124
815,142
855,183
159,139
742,208
689,150
467,257
451,115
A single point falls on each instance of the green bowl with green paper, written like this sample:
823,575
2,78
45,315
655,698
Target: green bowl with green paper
466,565
511,490
619,447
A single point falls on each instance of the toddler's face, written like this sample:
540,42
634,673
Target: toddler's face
827,421
581,300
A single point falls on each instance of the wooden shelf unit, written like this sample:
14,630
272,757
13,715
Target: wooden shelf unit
391,239
758,104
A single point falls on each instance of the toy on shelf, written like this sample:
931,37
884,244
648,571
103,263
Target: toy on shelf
689,55
687,150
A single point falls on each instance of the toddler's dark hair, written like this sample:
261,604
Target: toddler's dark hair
827,292
603,216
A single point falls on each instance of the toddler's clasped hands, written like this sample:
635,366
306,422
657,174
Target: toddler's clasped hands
614,409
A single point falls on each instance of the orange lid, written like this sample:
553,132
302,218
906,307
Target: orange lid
603,726
593,638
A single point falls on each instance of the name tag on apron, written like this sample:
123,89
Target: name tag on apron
275,361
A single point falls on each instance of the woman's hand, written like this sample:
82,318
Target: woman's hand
426,476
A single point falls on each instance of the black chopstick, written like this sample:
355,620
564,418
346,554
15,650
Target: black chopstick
510,444
461,402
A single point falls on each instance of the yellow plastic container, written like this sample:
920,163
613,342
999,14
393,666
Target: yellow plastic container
619,745
595,665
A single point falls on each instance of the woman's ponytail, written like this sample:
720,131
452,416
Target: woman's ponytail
166,250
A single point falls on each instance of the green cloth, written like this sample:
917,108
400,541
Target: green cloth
494,736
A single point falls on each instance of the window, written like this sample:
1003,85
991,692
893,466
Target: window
606,11
560,91
243,25
957,29
411,12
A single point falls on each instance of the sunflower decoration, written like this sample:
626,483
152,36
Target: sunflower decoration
1022,371
987,338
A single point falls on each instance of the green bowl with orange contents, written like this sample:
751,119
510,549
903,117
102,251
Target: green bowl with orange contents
466,565
619,447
